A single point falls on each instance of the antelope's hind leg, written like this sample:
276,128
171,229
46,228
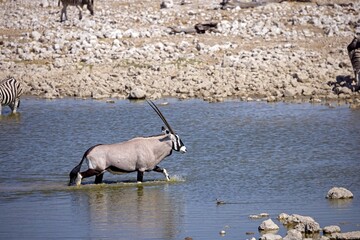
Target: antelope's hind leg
140,176
99,178
89,173
163,171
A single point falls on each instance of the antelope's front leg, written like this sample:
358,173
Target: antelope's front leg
162,170
140,176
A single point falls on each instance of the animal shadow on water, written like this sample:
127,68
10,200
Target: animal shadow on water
13,117
342,82
129,182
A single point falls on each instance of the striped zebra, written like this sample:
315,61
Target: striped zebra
79,5
354,54
10,92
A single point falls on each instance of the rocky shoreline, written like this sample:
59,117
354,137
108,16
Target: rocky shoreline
286,51
301,227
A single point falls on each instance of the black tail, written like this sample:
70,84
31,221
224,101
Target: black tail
76,170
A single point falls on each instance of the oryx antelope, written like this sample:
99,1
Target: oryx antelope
141,154
354,54
79,5
10,92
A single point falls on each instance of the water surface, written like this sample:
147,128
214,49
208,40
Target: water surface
255,156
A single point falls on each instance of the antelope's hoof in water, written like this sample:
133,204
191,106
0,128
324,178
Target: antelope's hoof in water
78,179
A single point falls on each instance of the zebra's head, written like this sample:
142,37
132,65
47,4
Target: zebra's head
177,143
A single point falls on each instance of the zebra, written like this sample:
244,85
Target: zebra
140,154
79,5
10,92
354,54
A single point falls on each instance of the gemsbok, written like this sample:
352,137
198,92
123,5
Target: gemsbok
140,154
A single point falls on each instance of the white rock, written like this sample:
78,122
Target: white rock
35,35
346,236
293,234
270,236
268,225
298,222
339,193
331,229
137,93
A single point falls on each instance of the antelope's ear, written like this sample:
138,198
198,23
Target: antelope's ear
164,130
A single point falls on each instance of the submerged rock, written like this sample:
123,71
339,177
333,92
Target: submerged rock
293,234
258,216
339,193
270,236
355,235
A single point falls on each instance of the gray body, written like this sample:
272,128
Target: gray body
141,154
79,5
10,92
354,54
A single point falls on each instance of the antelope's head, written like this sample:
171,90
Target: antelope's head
177,144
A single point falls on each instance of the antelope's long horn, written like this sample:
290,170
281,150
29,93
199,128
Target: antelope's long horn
156,109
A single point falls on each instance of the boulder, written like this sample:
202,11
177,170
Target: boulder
293,234
137,93
268,225
339,193
270,236
331,229
355,235
303,224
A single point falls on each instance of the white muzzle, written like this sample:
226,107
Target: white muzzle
183,149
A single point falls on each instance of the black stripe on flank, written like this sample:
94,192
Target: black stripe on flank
117,170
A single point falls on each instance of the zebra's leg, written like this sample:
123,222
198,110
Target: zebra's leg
12,107
63,13
357,79
163,171
90,8
80,11
0,108
15,106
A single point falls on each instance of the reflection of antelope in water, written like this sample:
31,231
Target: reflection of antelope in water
152,213
139,154
354,54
